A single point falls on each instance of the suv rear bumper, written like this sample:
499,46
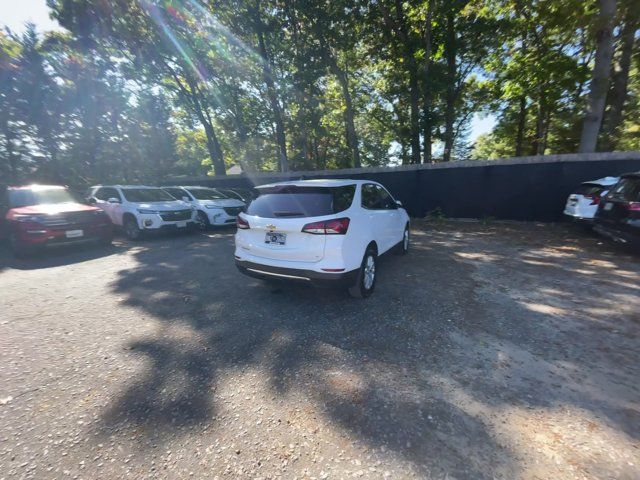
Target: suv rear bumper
609,230
574,217
320,279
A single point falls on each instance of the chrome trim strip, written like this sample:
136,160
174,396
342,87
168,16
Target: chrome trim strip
279,274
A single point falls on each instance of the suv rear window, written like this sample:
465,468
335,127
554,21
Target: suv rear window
293,201
590,189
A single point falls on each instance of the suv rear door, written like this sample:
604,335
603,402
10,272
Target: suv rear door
278,215
382,211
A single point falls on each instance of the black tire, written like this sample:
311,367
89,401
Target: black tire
202,223
131,229
365,285
19,249
403,248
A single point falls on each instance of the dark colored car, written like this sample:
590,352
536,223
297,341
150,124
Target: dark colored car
244,194
38,216
618,215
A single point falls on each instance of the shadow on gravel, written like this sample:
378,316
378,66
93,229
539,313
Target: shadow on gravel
56,257
383,369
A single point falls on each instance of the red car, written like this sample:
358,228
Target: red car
34,217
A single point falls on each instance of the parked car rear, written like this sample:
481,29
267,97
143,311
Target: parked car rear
618,216
322,232
582,204
38,216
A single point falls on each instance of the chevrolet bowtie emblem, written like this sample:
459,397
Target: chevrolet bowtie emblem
271,227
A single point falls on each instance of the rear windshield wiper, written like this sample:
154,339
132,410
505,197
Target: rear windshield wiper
288,214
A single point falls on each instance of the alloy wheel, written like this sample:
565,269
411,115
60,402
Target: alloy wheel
369,272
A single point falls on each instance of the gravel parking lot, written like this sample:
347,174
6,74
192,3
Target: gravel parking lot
492,350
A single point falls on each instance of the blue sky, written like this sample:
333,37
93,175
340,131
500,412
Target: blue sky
15,13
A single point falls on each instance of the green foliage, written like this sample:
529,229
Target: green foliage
436,215
141,90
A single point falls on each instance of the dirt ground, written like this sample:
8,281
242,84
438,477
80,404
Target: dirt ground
507,351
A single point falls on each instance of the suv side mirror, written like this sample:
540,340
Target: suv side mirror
398,203
113,200
91,201
186,199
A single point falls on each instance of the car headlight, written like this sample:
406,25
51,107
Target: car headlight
147,211
29,218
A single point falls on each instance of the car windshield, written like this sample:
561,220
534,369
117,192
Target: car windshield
146,195
229,193
40,196
293,201
206,194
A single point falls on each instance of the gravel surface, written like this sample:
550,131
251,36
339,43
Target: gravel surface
492,350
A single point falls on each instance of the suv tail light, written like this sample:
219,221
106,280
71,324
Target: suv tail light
595,199
338,226
241,223
633,206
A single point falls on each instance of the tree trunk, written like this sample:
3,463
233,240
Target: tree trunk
11,158
600,77
537,146
271,92
522,122
449,114
350,128
302,141
213,147
618,93
412,70
426,98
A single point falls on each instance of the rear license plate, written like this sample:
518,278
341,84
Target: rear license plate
181,224
274,238
608,206
74,233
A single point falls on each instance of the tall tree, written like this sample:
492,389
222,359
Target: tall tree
618,93
600,77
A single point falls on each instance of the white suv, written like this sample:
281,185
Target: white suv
213,207
582,204
140,209
320,231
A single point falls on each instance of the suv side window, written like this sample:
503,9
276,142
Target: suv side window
374,197
627,189
105,193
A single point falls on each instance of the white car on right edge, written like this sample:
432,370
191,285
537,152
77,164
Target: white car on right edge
582,204
326,232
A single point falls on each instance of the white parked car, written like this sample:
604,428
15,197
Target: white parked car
320,231
582,204
212,207
140,209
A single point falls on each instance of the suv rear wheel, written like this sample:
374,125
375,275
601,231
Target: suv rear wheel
366,281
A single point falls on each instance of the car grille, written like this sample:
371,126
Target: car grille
176,215
70,219
232,211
